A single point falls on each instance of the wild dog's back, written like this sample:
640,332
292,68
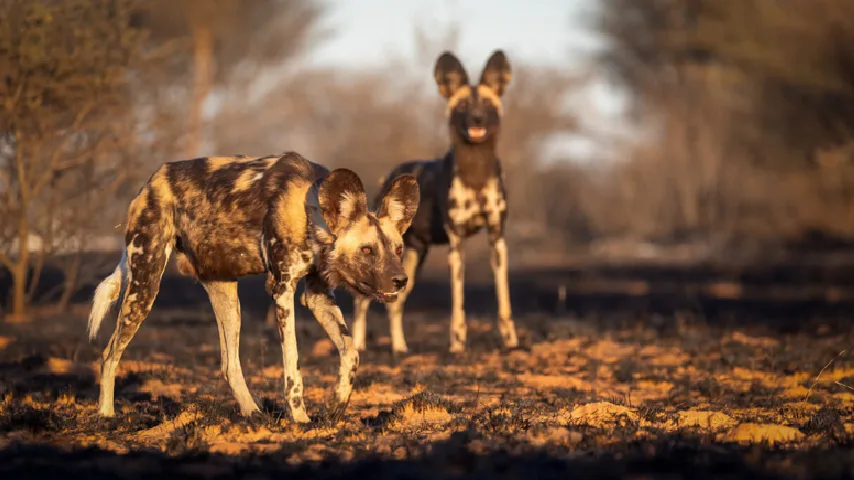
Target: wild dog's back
220,204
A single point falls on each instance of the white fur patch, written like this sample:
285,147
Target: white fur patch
347,204
396,210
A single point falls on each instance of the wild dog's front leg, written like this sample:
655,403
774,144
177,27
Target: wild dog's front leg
458,318
412,259
284,298
361,305
498,261
286,264
321,301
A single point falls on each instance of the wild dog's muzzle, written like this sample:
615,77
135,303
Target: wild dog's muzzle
398,284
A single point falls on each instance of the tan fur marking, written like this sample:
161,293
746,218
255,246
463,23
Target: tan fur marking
355,236
137,205
389,229
290,210
461,93
485,92
246,180
216,163
162,187
348,204
185,266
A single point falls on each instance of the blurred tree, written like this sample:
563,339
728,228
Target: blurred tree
792,61
66,113
225,38
731,92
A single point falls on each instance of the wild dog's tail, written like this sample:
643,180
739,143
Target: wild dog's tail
106,294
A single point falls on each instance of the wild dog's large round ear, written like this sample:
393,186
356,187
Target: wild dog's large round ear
342,199
496,73
400,201
450,74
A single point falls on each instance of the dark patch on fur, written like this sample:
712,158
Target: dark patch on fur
192,172
458,337
342,329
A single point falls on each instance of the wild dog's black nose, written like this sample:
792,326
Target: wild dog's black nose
399,281
477,120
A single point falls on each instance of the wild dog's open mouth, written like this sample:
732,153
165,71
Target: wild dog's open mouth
368,291
388,297
476,133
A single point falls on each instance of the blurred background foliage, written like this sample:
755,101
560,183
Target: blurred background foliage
742,114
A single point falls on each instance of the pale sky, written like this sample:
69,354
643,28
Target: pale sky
554,32
536,30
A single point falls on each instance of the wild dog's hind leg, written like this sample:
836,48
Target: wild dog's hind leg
412,259
321,301
226,306
456,263
146,256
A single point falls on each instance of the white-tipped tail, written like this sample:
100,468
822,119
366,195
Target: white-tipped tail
106,294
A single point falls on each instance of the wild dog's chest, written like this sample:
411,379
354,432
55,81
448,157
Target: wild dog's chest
473,208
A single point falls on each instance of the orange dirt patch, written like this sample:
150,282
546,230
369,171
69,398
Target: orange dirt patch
663,357
609,351
727,290
323,348
554,381
165,429
758,342
158,389
552,436
704,420
61,366
377,394
762,432
429,415
598,414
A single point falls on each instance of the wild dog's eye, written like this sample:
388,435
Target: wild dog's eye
398,250
367,250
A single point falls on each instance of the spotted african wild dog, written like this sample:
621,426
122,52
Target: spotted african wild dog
460,194
280,215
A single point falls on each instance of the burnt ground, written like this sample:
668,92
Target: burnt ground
643,372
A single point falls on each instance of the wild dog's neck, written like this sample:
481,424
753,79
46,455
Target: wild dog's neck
474,163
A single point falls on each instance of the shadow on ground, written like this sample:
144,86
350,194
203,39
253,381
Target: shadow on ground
667,458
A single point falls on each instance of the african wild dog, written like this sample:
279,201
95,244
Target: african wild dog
235,216
460,194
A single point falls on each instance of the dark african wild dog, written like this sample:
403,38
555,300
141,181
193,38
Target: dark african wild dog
230,217
460,194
